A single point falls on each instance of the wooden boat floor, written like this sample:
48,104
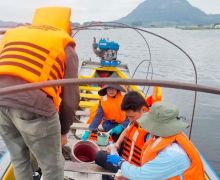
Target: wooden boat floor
82,171
85,168
82,126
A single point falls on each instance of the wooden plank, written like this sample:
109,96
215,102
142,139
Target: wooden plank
89,88
82,113
90,96
86,168
91,72
82,126
87,104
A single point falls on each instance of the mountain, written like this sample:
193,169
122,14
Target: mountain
168,13
8,24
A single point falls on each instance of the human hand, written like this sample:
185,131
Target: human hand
63,139
108,149
120,178
116,130
112,148
117,146
114,159
86,135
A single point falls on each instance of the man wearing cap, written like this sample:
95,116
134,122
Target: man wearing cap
37,121
109,111
169,154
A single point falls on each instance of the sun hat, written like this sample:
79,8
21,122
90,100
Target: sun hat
162,120
103,91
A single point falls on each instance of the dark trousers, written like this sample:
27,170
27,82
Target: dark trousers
101,160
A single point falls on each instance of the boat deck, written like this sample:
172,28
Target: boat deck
77,170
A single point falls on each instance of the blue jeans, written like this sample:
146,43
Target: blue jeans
107,125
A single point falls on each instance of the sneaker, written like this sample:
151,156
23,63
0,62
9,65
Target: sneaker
36,176
39,171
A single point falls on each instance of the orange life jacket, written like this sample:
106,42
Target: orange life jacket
92,113
132,145
155,96
112,108
94,137
35,54
153,147
58,17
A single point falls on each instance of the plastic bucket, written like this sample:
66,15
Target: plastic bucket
103,139
84,151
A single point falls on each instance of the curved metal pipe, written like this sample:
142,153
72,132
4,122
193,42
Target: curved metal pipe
143,82
154,34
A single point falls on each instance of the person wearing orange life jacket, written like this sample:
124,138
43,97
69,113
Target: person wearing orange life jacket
109,111
169,154
38,119
132,139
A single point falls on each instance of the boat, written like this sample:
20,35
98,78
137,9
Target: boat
92,75
6,170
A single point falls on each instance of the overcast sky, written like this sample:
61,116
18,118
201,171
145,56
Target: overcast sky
86,10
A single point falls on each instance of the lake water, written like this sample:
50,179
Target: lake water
170,64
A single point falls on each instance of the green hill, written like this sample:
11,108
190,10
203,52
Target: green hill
168,13
8,24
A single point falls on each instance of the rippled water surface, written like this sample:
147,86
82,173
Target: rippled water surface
170,64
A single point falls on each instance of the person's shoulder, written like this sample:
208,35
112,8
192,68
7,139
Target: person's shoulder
70,50
175,149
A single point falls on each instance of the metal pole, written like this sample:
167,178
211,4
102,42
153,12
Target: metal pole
89,81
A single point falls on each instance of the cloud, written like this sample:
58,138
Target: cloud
208,6
82,10
85,10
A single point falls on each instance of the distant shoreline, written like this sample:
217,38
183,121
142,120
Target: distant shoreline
198,27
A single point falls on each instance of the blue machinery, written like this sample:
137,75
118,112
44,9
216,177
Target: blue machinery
107,51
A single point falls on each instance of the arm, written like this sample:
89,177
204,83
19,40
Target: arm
120,127
118,142
164,166
125,123
70,94
97,51
97,119
121,138
95,123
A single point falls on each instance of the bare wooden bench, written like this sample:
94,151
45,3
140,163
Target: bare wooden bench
82,113
81,126
85,168
78,126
